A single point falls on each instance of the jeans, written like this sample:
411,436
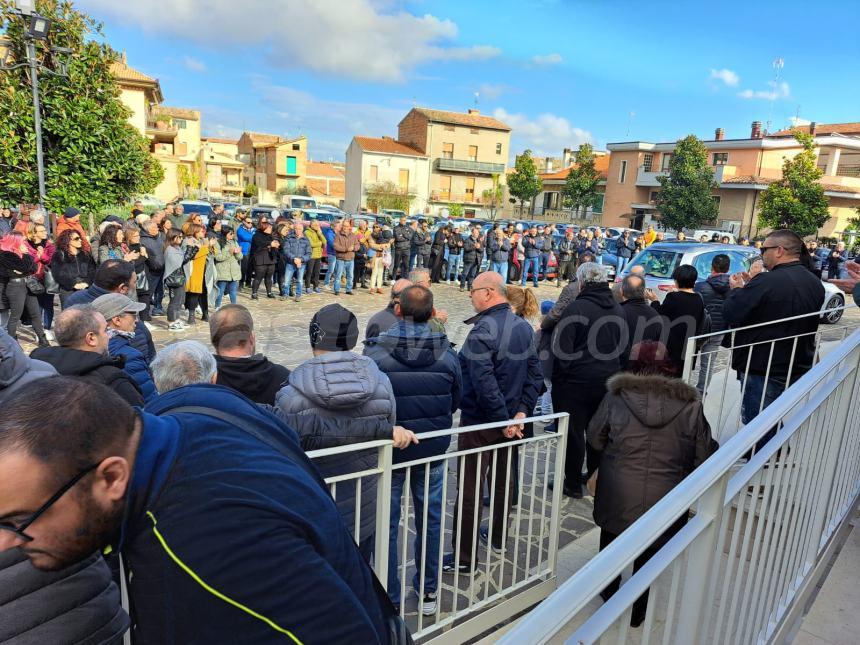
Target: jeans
470,270
566,270
620,263
413,258
400,268
158,292
174,306
46,303
501,268
230,287
342,267
454,264
544,265
299,273
312,274
757,396
707,355
599,259
434,525
21,300
534,263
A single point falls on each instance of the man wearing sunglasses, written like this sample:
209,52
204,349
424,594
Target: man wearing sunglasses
244,235
226,530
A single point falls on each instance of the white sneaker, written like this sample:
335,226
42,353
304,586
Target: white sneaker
50,335
428,608
175,326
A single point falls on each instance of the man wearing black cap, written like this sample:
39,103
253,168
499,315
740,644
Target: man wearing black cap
71,220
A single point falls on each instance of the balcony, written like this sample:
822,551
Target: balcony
160,130
470,167
649,177
444,197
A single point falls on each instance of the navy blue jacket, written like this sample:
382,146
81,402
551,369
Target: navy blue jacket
328,233
499,252
142,338
501,370
135,366
532,246
249,521
425,376
586,246
294,246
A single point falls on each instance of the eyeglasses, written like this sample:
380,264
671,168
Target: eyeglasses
767,248
472,291
74,239
23,526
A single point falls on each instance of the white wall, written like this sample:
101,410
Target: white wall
358,163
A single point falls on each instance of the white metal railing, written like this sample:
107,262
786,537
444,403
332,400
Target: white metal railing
708,367
500,583
756,536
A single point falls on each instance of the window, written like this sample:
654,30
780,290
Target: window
297,146
447,150
445,188
659,263
647,161
721,158
473,153
473,130
667,157
180,123
404,179
703,262
598,203
470,189
374,173
652,196
622,173
291,166
498,148
449,128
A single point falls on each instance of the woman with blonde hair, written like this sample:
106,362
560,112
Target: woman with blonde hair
523,302
195,288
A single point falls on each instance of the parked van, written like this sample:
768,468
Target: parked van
298,202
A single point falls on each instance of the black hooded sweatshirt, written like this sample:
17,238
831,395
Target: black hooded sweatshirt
256,376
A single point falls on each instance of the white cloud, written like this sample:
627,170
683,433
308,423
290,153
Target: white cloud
193,64
796,121
546,134
779,90
372,40
549,59
726,76
492,92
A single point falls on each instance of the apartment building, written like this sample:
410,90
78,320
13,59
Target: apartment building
326,182
743,169
221,171
277,166
372,162
549,203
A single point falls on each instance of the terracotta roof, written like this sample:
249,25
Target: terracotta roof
122,72
757,179
317,188
388,146
461,118
601,165
222,159
259,137
179,113
321,169
824,128
218,140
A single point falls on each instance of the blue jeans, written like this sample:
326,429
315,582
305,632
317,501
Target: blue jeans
454,263
299,273
501,268
434,525
620,263
752,404
544,264
158,293
341,267
534,263
230,287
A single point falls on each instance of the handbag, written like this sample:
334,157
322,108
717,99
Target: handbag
175,279
386,258
51,285
142,282
34,285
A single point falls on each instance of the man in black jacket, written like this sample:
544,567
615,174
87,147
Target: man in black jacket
643,322
787,289
153,241
402,246
713,290
81,333
417,243
586,347
473,249
566,252
240,367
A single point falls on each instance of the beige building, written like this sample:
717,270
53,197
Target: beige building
372,161
548,205
221,170
275,165
743,168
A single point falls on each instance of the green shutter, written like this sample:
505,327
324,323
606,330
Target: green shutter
291,165
598,203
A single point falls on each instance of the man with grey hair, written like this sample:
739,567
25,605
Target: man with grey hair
643,321
187,362
382,321
81,333
152,239
587,345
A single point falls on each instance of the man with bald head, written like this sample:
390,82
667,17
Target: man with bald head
785,290
643,321
382,321
501,381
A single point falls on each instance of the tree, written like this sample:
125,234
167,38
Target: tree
796,201
524,182
303,190
580,187
94,157
685,200
387,194
492,197
455,210
250,190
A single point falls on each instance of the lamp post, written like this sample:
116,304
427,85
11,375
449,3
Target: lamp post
37,29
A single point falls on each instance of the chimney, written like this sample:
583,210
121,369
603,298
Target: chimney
812,128
474,111
719,134
755,133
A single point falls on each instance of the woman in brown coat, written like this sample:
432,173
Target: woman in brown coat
650,432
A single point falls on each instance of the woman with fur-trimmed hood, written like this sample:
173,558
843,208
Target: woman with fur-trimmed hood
651,432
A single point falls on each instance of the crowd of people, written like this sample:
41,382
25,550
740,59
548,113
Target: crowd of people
190,462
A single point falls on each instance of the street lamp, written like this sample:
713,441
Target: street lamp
37,29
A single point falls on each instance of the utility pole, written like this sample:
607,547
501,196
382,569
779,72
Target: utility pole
37,121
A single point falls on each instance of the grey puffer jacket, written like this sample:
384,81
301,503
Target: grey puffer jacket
17,370
342,386
651,433
78,605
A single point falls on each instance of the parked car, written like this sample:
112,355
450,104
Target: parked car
297,202
660,259
204,209
267,210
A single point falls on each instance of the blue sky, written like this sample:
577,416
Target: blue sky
559,72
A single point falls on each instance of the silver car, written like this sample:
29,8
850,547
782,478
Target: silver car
660,259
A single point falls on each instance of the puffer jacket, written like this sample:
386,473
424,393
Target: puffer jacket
425,375
317,242
499,251
567,249
154,245
651,432
79,604
244,237
472,250
403,237
714,291
455,244
135,365
227,264
342,386
295,246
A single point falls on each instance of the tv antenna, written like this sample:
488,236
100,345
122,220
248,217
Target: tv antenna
778,64
630,116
